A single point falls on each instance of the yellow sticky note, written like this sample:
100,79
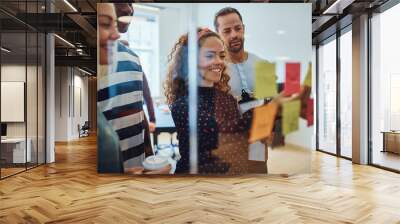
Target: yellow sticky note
308,79
290,116
263,121
265,82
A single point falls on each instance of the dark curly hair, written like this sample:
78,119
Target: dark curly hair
176,83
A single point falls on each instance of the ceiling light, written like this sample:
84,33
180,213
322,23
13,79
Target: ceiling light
146,7
280,32
64,40
5,50
70,5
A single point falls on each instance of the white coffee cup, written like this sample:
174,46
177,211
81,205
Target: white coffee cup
155,162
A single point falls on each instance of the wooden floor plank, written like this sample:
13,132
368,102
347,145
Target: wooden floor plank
71,191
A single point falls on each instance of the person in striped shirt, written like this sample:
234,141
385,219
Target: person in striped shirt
120,99
108,156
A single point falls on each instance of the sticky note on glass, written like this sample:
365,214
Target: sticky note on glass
263,121
310,112
265,82
290,116
292,81
308,79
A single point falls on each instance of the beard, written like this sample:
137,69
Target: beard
123,27
235,48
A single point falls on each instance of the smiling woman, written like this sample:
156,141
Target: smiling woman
222,130
107,30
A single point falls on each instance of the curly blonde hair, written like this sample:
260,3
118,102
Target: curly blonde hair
176,83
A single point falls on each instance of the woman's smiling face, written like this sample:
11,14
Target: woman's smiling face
108,33
211,59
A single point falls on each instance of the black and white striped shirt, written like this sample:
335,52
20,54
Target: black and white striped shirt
120,99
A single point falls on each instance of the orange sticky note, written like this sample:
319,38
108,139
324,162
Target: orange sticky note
263,121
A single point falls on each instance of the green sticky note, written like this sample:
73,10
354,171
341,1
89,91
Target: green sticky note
308,80
265,83
290,116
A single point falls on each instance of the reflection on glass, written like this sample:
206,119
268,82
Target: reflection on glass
222,130
327,97
346,95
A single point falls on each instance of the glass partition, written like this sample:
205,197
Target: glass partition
346,94
13,105
327,96
22,88
385,89
227,95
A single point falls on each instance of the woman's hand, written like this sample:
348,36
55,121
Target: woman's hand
134,170
140,170
152,127
165,170
281,98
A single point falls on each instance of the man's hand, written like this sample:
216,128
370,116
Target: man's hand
140,170
164,170
152,127
134,170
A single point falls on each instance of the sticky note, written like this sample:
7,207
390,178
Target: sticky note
263,121
310,112
308,78
290,116
265,82
292,81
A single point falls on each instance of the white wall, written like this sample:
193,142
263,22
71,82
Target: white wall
33,127
12,73
276,32
68,82
173,23
61,103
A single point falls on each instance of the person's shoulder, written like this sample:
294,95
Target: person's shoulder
179,103
123,48
255,58
224,95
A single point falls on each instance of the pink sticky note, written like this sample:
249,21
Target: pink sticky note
310,112
292,82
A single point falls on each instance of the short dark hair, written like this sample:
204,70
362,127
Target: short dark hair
223,12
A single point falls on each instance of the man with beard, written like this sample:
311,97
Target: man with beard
229,25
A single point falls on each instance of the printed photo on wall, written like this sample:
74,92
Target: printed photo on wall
206,88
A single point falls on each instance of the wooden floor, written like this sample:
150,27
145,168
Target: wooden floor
71,191
387,159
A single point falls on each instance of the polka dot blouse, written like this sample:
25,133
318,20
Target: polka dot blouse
222,133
